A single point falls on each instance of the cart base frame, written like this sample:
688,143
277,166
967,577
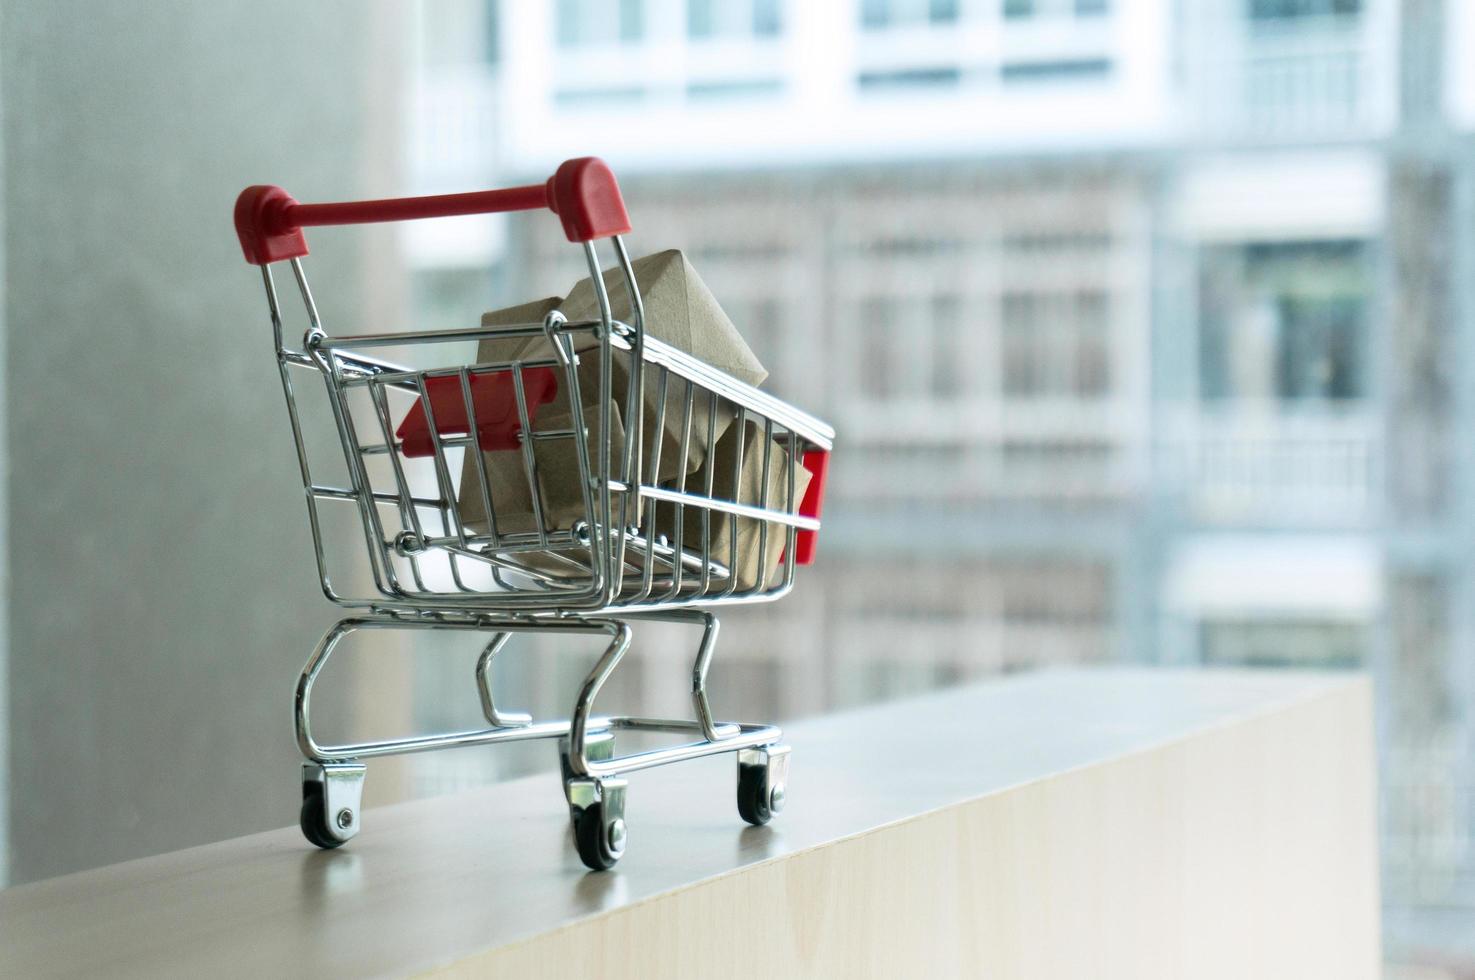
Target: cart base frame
593,775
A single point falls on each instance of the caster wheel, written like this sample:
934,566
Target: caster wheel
752,795
314,817
763,776
600,845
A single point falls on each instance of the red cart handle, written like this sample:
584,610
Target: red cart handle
583,193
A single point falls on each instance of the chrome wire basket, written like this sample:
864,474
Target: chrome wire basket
479,512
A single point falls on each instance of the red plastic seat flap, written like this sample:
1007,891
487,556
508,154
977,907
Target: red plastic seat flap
494,398
817,462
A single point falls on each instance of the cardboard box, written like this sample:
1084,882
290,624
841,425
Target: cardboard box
680,310
739,482
732,480
561,497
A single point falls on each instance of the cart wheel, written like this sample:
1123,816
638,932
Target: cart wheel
314,817
752,795
763,775
600,845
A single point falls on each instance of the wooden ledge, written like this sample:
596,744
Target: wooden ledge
1101,823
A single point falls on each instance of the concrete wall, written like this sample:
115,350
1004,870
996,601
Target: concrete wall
161,594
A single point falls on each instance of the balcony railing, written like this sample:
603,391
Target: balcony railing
1275,467
1316,80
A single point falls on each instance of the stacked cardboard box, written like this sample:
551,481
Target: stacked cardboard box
681,311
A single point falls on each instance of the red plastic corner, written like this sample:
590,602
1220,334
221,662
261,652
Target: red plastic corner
494,397
586,198
817,462
259,225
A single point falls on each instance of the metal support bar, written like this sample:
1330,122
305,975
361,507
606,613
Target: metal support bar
516,719
506,728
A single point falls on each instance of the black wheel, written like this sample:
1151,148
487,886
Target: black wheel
314,817
752,795
592,839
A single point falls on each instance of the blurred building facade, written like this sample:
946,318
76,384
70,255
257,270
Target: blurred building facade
1141,323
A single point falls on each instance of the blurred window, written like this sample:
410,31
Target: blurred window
1057,70
1302,9
877,377
1093,345
736,89
949,354
1044,591
589,97
733,18
910,78
1021,367
766,20
1022,9
942,11
880,14
1269,642
1055,346
1284,321
587,22
1318,356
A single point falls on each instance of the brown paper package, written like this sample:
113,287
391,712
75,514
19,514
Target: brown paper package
562,499
680,310
729,482
743,485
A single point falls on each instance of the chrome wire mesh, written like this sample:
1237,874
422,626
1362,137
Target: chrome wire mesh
628,502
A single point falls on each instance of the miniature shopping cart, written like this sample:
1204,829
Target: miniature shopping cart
411,473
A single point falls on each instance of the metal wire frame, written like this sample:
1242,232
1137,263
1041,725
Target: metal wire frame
615,558
512,726
609,567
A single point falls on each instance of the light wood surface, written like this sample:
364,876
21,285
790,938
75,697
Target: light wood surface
1114,823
